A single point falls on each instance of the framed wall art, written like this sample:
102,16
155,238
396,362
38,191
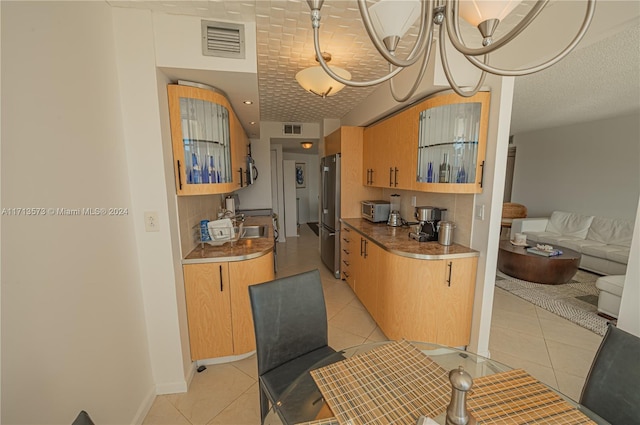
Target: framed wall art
301,175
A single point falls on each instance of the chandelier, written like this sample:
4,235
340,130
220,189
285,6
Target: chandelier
387,21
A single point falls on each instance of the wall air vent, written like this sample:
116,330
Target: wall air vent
292,129
223,39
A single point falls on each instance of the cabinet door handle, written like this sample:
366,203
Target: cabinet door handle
449,280
241,175
481,173
179,176
366,243
368,175
372,171
361,246
220,268
395,177
390,176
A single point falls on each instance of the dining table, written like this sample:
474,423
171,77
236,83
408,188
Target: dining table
401,382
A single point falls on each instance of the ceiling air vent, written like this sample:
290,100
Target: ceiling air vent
293,129
223,39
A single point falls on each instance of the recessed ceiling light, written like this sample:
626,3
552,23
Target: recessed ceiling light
252,122
248,102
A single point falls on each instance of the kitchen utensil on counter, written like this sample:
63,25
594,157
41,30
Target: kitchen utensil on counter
429,217
395,220
445,232
230,204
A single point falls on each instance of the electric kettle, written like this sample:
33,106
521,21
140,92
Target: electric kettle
394,219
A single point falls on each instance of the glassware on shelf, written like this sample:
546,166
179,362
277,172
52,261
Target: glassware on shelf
445,169
206,139
448,136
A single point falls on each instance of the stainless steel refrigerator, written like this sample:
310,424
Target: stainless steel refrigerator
330,213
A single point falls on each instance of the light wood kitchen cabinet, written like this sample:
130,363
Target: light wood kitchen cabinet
427,300
243,274
366,275
218,308
451,143
389,151
239,152
209,144
348,142
208,299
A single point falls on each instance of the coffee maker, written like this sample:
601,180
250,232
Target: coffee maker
429,218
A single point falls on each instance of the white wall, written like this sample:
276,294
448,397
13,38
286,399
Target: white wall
309,196
258,195
179,44
73,325
148,183
590,168
629,317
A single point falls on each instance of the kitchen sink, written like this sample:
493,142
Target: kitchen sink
253,232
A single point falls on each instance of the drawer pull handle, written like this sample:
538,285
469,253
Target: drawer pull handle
346,251
449,280
220,268
346,263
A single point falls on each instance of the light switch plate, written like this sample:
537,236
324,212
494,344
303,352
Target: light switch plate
480,211
151,221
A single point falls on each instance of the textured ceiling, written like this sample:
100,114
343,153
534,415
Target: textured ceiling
285,46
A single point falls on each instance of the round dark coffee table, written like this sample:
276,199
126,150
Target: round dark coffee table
515,261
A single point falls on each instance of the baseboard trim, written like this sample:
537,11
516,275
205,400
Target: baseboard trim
145,406
172,387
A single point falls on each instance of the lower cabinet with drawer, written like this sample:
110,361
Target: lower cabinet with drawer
218,307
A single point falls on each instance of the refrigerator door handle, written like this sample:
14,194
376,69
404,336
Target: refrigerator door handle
325,170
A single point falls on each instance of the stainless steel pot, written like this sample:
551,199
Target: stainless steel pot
426,214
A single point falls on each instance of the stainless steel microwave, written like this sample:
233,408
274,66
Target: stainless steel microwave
375,211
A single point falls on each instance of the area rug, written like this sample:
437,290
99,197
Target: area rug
576,300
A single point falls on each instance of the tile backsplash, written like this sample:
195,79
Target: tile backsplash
191,210
459,209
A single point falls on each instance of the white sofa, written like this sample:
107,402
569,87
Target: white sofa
603,242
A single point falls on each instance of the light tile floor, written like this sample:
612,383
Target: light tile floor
554,350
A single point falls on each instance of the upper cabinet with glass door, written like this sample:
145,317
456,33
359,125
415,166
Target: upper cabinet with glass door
452,143
201,136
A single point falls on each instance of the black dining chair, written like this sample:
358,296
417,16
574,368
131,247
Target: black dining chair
612,387
83,418
290,322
